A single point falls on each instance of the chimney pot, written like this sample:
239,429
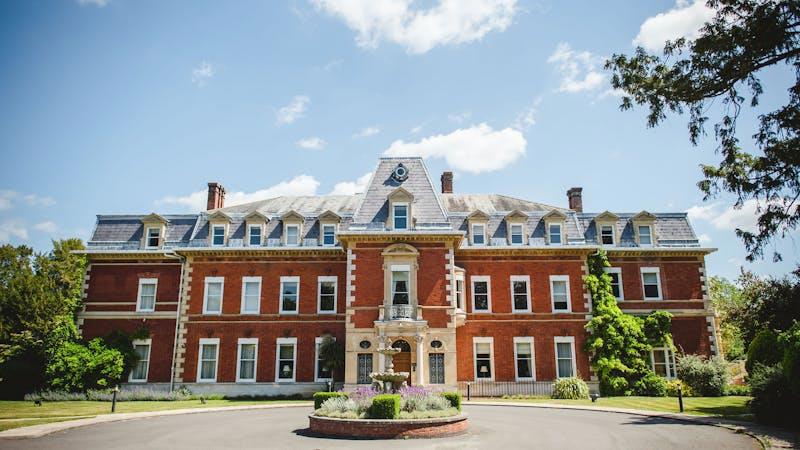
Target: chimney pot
575,198
216,196
447,182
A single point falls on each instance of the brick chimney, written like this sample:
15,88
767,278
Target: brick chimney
216,196
447,182
575,197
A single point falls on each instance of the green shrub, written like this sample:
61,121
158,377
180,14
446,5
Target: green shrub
763,350
76,367
571,388
673,385
454,398
320,397
651,385
790,344
384,406
735,389
706,377
773,402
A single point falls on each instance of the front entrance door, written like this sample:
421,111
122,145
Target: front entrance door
402,360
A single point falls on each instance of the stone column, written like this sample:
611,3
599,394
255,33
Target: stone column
381,359
420,359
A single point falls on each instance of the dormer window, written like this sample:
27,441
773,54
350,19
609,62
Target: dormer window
153,237
478,234
400,214
554,233
645,236
254,235
516,234
328,235
218,235
607,234
292,235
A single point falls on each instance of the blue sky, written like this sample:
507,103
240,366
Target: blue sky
122,106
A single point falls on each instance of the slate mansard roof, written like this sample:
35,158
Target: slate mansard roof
368,212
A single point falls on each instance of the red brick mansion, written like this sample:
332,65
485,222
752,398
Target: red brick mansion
470,287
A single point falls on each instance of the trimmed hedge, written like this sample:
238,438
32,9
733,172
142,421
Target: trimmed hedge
385,406
454,398
571,388
320,397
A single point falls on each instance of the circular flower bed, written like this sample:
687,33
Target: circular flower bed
367,413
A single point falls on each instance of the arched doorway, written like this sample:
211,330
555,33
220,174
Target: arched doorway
402,360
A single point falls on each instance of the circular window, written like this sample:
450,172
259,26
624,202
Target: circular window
401,345
364,344
436,344
400,173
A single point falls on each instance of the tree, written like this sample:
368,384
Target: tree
620,343
767,304
726,298
75,367
743,39
331,355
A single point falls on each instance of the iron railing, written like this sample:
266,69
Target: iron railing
501,388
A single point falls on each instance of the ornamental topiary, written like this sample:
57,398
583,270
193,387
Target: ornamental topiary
454,398
320,397
384,406
763,350
571,388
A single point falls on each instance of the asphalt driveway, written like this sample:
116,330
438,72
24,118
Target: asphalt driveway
491,427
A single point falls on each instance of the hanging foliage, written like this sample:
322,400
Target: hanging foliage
619,343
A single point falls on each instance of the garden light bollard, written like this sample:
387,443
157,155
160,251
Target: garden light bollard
680,398
468,389
114,398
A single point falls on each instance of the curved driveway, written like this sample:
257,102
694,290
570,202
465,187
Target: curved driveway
492,427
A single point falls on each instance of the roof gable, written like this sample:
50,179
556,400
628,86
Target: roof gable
329,216
478,215
606,216
153,218
292,216
517,216
219,216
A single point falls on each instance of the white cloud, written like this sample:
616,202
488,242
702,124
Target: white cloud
293,111
527,117
196,201
704,238
97,3
335,64
684,20
579,71
367,132
459,117
448,22
46,226
311,143
37,200
416,129
476,149
730,218
8,198
13,228
202,73
352,187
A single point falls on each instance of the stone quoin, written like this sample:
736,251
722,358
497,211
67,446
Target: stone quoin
471,288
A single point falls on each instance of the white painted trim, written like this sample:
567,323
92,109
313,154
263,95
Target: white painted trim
527,280
147,237
482,340
560,234
521,234
322,234
224,234
613,235
525,340
408,216
552,297
317,342
657,271
258,300
286,227
671,375
478,278
400,268
149,343
250,234
639,235
221,294
245,341
565,340
278,343
207,341
618,271
472,233
327,279
143,281
293,279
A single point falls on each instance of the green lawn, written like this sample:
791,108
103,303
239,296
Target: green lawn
15,414
730,407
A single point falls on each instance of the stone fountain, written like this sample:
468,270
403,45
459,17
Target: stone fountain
388,381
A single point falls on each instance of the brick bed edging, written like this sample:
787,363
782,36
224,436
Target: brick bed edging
387,429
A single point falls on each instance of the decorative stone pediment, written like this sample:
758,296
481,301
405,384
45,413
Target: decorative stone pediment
219,216
293,217
154,218
478,216
400,249
555,216
256,217
644,217
329,217
606,216
400,195
516,216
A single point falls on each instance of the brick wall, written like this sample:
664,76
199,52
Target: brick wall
120,283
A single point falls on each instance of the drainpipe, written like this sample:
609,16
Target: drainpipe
177,319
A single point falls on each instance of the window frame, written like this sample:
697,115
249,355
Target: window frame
242,309
565,340
564,278
669,362
477,279
147,238
482,340
260,229
333,234
618,272
395,216
521,227
649,235
221,280
400,268
434,355
560,234
201,343
460,297
240,342
358,366
524,340
214,228
613,235
317,341
149,343
278,343
527,280
289,279
657,271
327,279
286,228
148,281
472,233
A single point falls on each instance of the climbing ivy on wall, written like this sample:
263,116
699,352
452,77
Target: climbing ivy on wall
619,343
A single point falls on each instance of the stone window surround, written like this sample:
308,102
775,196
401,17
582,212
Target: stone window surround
153,221
558,218
397,255
478,218
252,220
246,341
644,219
292,218
515,218
401,196
607,219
